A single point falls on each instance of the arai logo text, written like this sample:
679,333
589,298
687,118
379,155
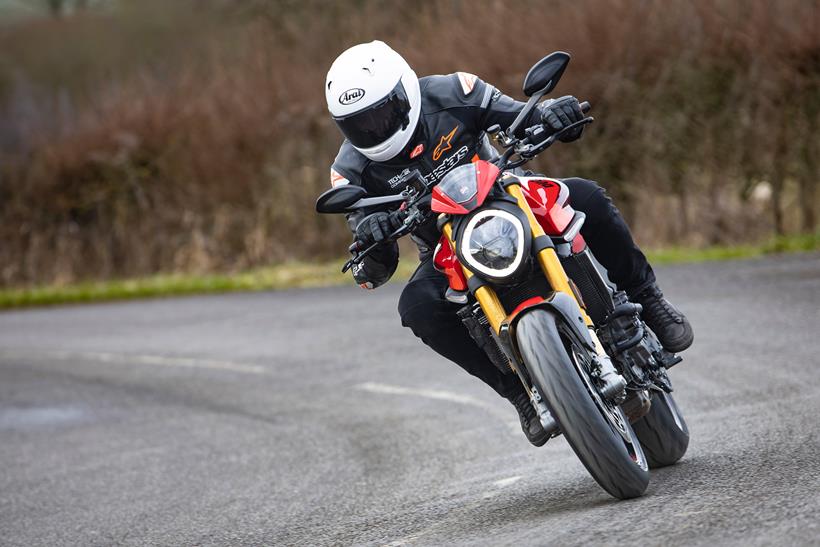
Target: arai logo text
351,95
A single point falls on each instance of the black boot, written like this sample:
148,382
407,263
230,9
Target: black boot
529,419
669,325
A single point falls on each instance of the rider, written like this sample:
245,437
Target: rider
394,123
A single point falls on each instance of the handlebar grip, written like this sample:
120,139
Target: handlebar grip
585,107
355,246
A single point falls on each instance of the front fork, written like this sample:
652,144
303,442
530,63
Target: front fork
558,280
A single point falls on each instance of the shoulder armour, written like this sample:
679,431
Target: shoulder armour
451,91
348,166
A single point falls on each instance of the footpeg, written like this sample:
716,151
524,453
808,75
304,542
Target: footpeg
667,359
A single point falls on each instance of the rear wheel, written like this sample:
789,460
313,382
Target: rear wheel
663,432
596,429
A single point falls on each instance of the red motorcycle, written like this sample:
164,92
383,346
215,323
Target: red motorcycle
535,302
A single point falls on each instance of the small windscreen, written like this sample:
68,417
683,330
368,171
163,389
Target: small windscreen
460,184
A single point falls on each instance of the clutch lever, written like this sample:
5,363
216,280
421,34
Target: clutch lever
360,255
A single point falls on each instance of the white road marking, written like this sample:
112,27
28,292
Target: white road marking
499,484
506,482
126,358
442,395
402,541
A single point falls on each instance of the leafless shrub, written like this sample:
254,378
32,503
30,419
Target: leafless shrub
208,154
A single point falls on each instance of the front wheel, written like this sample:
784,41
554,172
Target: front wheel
663,432
596,429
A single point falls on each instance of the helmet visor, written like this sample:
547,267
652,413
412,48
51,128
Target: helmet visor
376,123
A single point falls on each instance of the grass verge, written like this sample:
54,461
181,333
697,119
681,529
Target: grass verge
297,274
782,244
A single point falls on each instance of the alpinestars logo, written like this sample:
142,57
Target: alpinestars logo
444,144
447,164
436,174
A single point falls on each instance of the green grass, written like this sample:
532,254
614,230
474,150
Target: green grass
284,276
783,244
298,274
277,277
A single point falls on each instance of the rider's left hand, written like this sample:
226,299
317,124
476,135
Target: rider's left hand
377,227
560,113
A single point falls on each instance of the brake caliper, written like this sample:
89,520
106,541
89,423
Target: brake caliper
613,385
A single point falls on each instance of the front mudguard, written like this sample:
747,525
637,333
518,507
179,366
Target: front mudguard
567,314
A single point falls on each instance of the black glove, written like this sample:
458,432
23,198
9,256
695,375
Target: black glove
558,114
376,228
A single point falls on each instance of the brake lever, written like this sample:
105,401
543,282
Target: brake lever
401,231
529,151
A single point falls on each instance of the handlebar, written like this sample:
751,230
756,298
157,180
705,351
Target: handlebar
525,150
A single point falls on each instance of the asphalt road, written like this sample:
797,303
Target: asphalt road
314,418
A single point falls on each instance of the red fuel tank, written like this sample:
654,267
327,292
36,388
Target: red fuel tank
549,200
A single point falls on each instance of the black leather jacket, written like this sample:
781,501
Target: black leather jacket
456,109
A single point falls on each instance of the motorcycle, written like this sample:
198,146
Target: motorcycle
533,299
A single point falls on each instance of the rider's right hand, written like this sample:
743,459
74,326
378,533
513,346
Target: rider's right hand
377,227
561,113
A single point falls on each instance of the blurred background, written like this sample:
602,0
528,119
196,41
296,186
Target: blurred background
145,136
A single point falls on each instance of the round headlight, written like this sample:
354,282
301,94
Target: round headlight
493,243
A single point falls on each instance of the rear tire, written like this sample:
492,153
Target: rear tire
597,435
663,432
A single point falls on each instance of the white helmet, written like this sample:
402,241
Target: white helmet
374,98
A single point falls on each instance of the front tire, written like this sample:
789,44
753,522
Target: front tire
663,432
597,431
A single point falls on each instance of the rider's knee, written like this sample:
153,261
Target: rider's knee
420,321
589,198
415,309
423,312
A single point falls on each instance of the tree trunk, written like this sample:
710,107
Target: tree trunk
808,190
808,198
684,227
777,204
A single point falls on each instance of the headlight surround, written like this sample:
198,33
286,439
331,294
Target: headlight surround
492,243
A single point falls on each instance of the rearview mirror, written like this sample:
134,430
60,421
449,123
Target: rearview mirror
338,199
544,75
